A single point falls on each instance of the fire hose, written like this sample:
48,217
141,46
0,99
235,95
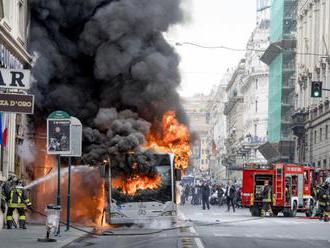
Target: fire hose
110,233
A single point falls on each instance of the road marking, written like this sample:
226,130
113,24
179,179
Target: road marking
198,241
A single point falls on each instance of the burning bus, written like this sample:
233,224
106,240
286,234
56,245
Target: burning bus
135,197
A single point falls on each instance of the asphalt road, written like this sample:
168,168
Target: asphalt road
218,228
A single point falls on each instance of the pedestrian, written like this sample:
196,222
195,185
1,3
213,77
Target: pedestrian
267,199
17,200
230,196
220,194
182,196
205,191
186,192
238,197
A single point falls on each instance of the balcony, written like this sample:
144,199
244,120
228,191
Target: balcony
298,124
231,103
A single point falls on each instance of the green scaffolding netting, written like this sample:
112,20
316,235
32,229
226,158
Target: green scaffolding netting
275,96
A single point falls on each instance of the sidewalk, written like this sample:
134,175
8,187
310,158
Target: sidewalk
18,238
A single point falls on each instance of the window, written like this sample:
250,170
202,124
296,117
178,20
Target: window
21,18
324,163
321,134
255,129
256,106
319,164
257,83
1,8
315,133
7,9
326,132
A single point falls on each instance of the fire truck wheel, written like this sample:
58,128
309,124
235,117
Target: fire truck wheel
294,209
275,212
291,212
255,211
309,213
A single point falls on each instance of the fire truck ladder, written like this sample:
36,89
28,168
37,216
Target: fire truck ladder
279,183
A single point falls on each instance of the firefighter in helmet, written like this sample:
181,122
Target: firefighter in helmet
267,199
5,191
18,199
324,200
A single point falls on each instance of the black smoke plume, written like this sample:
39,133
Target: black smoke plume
107,63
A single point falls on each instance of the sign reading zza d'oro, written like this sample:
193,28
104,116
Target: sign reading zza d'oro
15,103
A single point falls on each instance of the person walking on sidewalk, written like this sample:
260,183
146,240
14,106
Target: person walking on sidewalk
205,195
17,200
230,196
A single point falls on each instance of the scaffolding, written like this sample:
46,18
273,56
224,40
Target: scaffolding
281,60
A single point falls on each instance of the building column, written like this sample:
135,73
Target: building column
11,144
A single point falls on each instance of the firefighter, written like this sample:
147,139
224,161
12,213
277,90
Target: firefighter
287,193
17,200
324,200
267,199
7,186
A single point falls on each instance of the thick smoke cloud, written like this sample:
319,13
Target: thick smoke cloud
115,133
107,63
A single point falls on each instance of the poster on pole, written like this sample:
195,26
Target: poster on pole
76,138
59,133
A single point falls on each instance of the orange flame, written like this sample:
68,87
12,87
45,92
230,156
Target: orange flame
87,188
174,137
134,183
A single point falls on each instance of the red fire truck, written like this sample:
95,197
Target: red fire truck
291,188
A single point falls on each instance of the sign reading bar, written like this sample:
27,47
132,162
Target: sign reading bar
15,79
59,133
15,103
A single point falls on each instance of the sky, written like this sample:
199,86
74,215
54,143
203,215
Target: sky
211,23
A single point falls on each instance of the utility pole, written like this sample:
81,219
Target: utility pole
69,196
58,198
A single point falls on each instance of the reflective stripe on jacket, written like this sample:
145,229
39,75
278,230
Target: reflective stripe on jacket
18,198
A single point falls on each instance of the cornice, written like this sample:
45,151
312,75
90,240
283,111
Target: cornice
13,45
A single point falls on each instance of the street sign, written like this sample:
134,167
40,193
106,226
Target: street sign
76,138
59,133
16,103
15,79
59,115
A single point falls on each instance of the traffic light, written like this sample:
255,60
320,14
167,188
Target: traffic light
316,90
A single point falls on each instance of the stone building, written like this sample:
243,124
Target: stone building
255,90
13,55
234,118
217,129
312,115
196,110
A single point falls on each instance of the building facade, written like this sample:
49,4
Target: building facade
13,55
255,92
196,110
217,129
312,115
234,117
280,57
